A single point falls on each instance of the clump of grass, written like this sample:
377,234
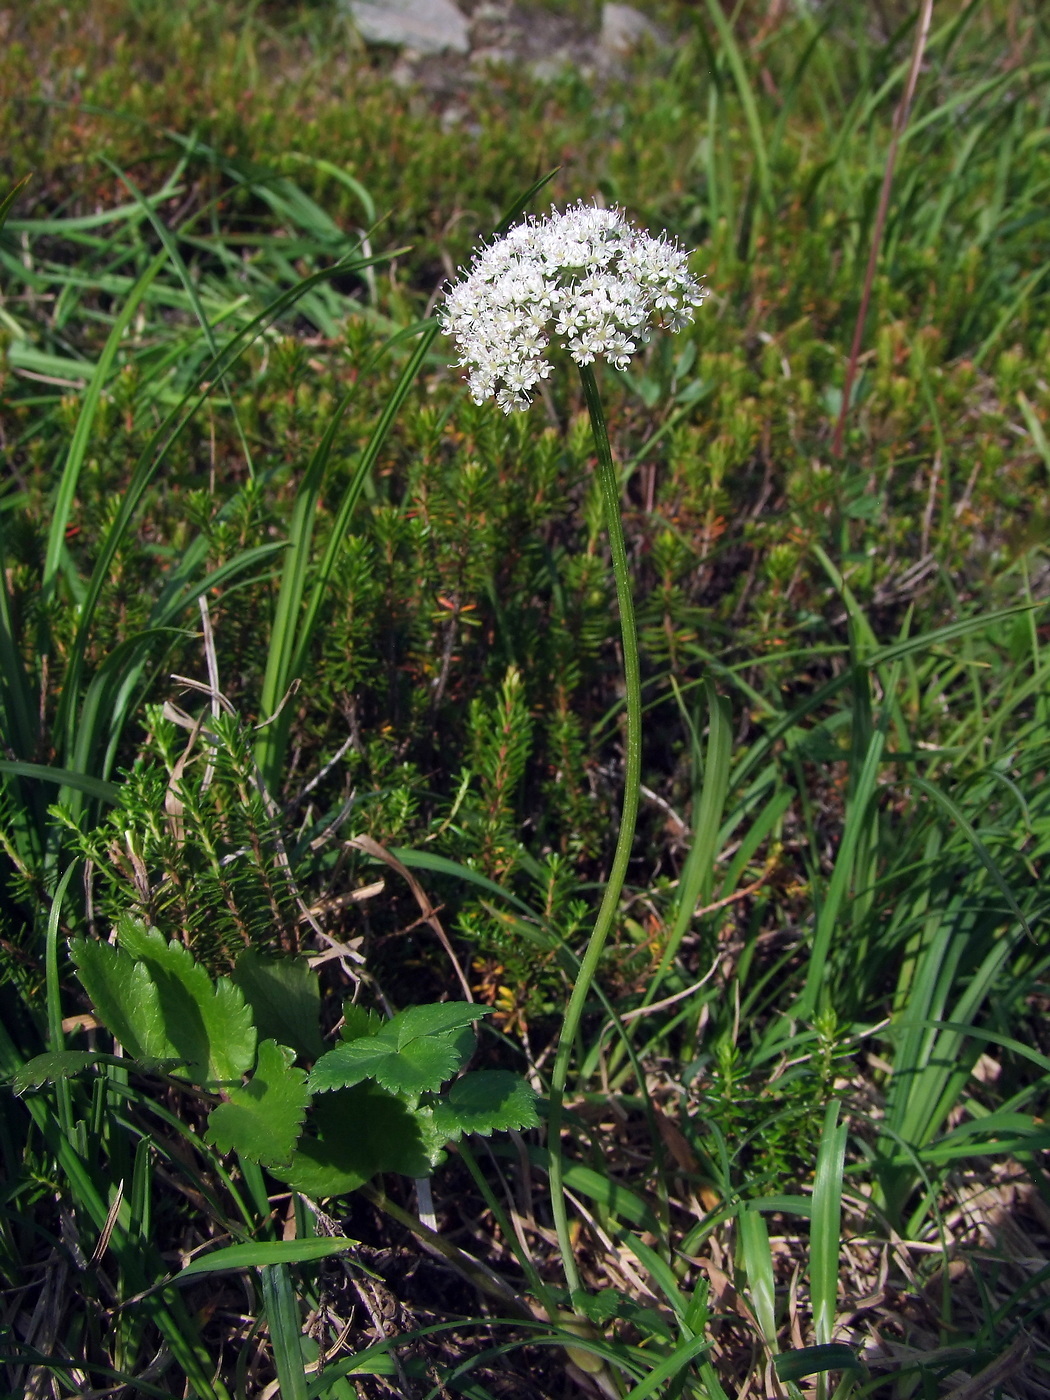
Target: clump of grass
817,1027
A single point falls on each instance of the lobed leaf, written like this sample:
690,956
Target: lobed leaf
124,996
209,1024
284,995
413,1053
487,1101
354,1134
358,1022
63,1064
423,1064
262,1120
161,1005
45,1069
433,1020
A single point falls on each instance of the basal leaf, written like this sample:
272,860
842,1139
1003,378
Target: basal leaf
318,1170
285,999
263,1119
63,1064
354,1134
421,1064
45,1069
435,1020
125,998
207,1023
358,1022
414,1052
486,1101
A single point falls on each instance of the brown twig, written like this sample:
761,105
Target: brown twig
900,121
429,913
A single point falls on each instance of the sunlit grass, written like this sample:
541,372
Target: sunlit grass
242,478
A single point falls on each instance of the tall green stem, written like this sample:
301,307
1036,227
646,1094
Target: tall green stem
610,489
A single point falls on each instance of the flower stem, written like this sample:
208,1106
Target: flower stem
610,489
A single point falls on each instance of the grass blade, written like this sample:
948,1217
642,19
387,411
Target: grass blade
282,1315
758,1265
8,201
64,777
78,446
341,524
858,816
514,213
682,1356
263,1254
794,1366
152,458
747,99
826,1223
981,851
285,644
697,875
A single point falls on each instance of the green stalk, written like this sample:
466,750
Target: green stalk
610,488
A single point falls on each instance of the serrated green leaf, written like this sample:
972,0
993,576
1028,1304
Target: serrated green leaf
318,1170
601,1307
413,1053
354,1134
466,1042
420,1065
262,1120
358,1022
125,998
63,1064
284,995
206,1023
434,1020
45,1069
486,1101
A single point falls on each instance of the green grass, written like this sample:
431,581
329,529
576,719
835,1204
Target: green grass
272,584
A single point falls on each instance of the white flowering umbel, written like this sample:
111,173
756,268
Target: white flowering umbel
586,277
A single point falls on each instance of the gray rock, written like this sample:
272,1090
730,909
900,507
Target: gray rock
426,26
624,28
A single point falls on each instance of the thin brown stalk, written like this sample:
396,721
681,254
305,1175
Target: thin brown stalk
900,121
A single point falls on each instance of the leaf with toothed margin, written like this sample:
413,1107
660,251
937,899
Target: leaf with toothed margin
64,1064
353,1134
421,1065
413,1053
262,1120
160,1004
124,997
486,1101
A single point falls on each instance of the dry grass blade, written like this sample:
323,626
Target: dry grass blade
429,916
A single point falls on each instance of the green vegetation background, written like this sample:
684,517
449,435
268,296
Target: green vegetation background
871,842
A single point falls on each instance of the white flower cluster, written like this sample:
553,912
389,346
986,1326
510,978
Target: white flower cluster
584,275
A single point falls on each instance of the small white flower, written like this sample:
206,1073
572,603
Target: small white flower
584,276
